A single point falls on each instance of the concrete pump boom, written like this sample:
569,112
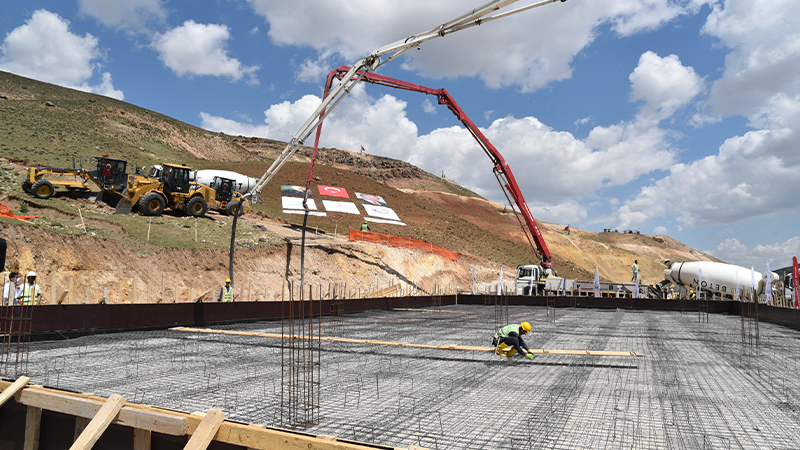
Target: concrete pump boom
474,17
501,170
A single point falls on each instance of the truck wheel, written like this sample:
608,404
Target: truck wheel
152,204
231,207
26,187
196,206
43,189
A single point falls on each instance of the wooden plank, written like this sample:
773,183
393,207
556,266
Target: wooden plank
99,423
135,417
406,344
13,389
205,432
141,439
80,424
272,438
33,428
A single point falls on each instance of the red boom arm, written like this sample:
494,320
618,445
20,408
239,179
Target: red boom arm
501,169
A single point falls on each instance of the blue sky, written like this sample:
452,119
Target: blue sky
669,117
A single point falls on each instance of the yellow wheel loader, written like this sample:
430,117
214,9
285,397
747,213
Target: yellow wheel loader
227,197
171,189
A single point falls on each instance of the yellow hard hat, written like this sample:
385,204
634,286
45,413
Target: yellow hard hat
691,292
227,280
525,326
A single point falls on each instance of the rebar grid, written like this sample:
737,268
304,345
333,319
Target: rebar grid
15,331
697,386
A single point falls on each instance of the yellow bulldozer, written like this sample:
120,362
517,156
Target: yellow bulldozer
170,189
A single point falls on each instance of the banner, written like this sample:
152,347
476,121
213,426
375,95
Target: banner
768,287
297,203
699,283
500,284
596,281
294,191
342,207
381,211
796,278
333,191
370,199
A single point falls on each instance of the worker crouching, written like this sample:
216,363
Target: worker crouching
508,340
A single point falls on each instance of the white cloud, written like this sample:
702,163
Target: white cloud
765,53
313,71
761,81
662,230
197,49
778,255
531,57
132,15
45,49
663,85
428,106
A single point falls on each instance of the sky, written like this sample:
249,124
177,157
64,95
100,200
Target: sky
671,117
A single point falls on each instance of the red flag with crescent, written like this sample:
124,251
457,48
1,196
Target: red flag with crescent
333,191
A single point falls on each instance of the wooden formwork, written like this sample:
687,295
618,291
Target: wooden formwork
93,415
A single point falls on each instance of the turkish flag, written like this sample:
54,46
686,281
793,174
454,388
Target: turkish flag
333,191
107,169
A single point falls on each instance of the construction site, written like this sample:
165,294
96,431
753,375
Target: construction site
427,377
360,304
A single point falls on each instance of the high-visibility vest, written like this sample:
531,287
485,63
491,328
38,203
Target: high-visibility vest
635,269
506,330
30,294
364,227
227,293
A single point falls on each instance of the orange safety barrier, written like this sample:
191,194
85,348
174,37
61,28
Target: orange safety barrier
402,242
5,211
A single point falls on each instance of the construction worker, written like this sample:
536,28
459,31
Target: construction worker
12,290
508,340
365,226
226,293
31,292
692,295
635,269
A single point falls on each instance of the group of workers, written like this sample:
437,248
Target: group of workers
18,292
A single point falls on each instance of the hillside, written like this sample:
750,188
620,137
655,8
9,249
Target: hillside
76,238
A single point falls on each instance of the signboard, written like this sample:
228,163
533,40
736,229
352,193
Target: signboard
381,211
342,207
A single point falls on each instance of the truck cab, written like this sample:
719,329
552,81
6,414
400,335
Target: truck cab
528,279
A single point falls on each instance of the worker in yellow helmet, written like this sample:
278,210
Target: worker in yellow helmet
508,340
226,293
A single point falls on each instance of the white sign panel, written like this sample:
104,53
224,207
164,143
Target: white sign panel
381,211
390,222
297,203
342,207
302,211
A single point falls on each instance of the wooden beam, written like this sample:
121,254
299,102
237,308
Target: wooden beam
13,389
205,432
99,423
141,439
468,348
80,424
256,437
33,427
135,417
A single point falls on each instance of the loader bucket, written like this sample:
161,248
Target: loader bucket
124,206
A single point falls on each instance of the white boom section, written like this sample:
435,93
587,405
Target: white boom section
469,19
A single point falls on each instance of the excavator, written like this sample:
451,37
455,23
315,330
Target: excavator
501,169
